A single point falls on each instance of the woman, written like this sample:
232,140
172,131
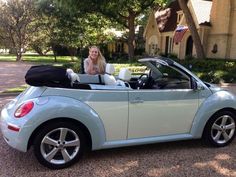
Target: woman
95,63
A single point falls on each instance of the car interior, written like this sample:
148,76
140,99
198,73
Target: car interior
157,77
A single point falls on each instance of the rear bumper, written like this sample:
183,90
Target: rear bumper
14,132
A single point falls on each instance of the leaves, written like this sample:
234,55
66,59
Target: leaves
17,24
124,12
43,24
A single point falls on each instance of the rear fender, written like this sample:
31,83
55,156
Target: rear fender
58,107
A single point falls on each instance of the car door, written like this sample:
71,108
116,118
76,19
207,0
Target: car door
167,109
112,108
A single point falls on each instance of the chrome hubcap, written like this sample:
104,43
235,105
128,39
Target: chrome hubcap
60,146
223,129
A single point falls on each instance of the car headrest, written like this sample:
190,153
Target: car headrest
109,79
124,74
110,69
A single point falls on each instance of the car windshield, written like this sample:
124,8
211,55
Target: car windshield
165,76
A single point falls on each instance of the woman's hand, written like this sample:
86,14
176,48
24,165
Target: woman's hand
90,67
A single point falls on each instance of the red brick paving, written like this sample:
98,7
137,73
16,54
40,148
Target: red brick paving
12,74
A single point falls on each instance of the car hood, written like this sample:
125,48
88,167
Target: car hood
213,87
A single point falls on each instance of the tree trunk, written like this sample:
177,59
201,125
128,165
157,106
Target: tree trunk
192,28
131,37
54,52
18,55
55,56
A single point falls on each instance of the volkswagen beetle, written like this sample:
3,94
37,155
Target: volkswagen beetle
166,102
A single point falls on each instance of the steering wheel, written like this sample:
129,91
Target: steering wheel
142,82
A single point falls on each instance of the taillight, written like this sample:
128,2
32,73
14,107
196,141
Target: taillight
24,109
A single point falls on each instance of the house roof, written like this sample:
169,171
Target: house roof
167,18
202,10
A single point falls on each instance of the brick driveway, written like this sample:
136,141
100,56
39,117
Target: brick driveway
12,74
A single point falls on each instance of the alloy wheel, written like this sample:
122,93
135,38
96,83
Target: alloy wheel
223,129
60,146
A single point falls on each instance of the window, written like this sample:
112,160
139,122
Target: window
179,16
167,77
171,46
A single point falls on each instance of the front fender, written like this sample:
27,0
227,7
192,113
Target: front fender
217,101
59,107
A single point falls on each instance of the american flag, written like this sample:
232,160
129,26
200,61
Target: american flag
179,33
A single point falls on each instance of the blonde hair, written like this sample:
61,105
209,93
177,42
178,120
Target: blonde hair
101,62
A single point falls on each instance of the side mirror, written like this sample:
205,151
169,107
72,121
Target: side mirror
197,86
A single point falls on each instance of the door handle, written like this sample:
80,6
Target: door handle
137,100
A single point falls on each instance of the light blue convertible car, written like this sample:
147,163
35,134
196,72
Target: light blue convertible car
165,103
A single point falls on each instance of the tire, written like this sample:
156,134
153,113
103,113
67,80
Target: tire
220,129
59,145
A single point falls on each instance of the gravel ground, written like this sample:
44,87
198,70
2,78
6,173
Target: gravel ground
176,159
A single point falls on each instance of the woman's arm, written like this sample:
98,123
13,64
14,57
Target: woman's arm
88,66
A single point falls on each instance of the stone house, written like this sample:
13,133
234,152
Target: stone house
167,33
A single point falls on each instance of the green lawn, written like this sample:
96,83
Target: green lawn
16,89
38,59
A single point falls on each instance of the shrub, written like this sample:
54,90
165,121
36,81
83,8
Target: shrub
76,66
212,70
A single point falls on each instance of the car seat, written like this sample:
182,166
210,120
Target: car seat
109,79
124,77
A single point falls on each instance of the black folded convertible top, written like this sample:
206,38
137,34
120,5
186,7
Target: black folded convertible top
47,75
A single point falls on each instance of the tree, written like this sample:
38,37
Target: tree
17,19
124,12
72,30
192,28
